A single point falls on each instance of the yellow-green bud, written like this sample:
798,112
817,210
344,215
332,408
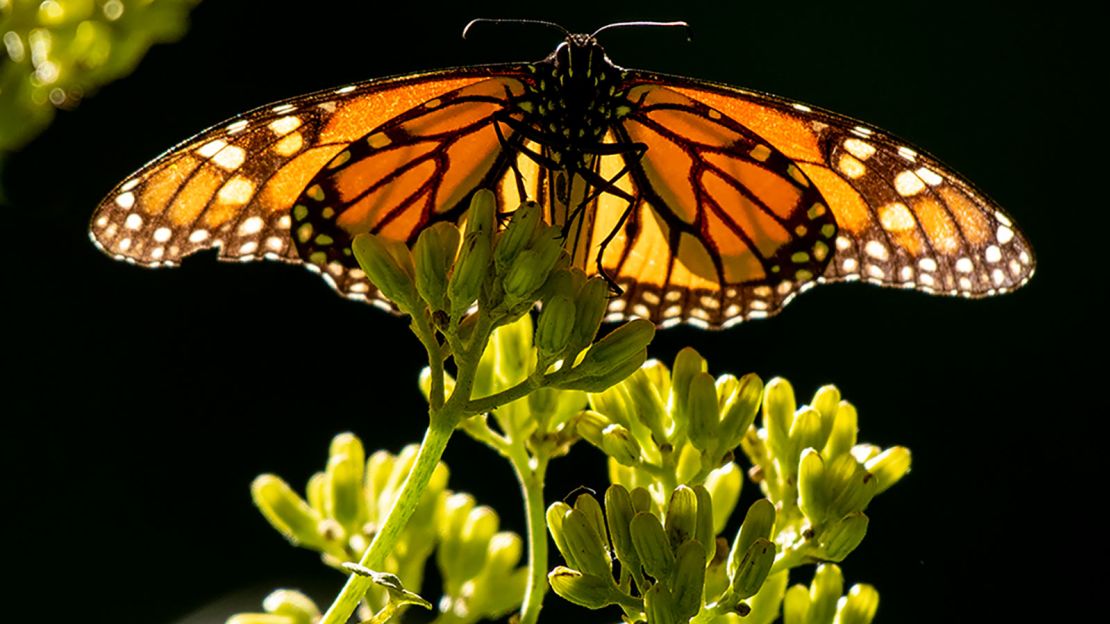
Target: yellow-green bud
813,497
682,516
522,228
532,266
827,401
778,415
317,484
758,523
343,496
660,607
481,525
583,542
753,569
687,363
585,590
482,213
766,605
555,324
599,378
618,443
851,485
591,509
843,435
652,545
259,618
299,608
389,266
287,512
452,522
470,271
805,432
702,411
689,579
433,255
641,499
795,605
724,486
591,426
589,303
555,515
859,606
842,537
618,514
739,410
824,592
504,553
646,402
889,466
624,343
703,530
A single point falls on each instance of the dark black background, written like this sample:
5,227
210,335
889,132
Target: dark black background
141,403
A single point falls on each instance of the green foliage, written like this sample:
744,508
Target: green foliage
59,51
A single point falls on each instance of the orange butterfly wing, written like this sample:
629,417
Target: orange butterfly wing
901,218
233,186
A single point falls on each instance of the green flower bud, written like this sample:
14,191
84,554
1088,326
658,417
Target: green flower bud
618,443
852,487
805,432
643,396
827,401
682,516
813,495
687,364
795,607
584,590
259,618
452,522
739,410
522,228
625,343
841,538
504,552
724,486
555,515
778,416
389,266
482,213
889,466
591,426
554,327
766,605
470,271
703,530
317,484
619,513
585,544
689,579
599,378
299,608
481,525
824,592
652,545
433,255
753,569
343,494
844,431
591,509
758,523
659,605
287,512
859,606
532,266
589,303
702,411
641,499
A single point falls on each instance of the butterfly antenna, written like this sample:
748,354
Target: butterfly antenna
689,31
486,20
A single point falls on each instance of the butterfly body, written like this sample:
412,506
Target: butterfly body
702,203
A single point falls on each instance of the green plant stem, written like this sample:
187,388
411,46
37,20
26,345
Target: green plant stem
431,450
489,403
531,482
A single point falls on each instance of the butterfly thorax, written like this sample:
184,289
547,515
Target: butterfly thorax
575,95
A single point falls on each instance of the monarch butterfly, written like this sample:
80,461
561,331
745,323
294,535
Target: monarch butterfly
702,203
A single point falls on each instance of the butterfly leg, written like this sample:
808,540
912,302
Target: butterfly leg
511,146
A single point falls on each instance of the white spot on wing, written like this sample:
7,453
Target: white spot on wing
198,236
162,234
133,222
251,225
125,200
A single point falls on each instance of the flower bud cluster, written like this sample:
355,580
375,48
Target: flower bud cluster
822,602
680,420
670,565
809,463
283,606
347,502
